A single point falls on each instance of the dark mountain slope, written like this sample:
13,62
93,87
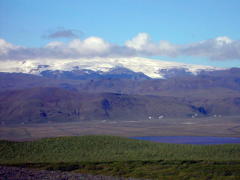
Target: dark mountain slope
38,105
28,98
207,84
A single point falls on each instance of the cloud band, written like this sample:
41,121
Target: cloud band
220,48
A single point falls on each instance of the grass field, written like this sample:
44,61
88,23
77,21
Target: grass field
118,156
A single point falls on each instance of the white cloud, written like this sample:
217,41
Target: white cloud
139,42
91,45
142,44
219,48
223,40
54,44
5,47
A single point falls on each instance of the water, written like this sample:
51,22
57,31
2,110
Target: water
190,139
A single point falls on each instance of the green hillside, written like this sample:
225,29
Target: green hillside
117,156
109,148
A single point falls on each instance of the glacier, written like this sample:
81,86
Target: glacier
149,67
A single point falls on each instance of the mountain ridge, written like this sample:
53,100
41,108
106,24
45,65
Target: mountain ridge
156,69
117,94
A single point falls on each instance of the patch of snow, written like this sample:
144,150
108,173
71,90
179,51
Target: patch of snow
160,117
149,67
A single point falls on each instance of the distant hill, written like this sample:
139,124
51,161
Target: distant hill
41,105
224,83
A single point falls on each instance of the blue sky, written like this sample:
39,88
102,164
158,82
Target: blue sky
26,22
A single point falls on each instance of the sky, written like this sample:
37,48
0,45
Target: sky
191,31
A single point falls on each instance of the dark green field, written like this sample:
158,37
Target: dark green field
119,156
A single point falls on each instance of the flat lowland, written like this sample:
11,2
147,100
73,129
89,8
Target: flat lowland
119,156
208,126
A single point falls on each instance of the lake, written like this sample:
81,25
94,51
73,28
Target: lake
190,139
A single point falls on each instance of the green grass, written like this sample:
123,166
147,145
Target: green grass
119,156
109,148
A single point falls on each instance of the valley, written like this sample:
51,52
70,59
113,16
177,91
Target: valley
211,126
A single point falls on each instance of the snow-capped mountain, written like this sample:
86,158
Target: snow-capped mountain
102,66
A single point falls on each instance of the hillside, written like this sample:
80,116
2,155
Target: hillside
122,95
41,105
215,83
108,149
115,156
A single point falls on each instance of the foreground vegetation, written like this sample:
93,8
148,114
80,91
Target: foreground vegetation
118,156
168,169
